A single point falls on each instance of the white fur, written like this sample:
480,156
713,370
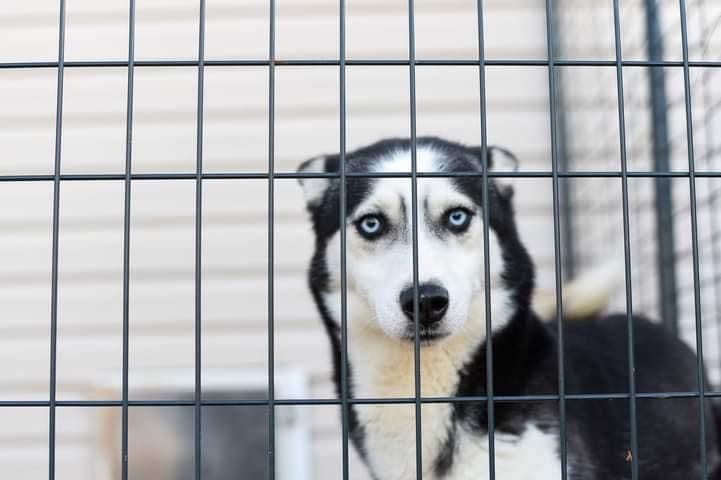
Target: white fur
529,456
382,361
313,188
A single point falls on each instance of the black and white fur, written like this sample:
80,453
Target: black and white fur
453,352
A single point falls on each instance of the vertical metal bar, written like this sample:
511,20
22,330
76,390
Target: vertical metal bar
343,274
271,243
550,42
199,240
694,240
55,241
126,238
414,235
626,242
662,163
490,406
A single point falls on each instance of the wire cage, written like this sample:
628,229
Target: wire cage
661,244
621,147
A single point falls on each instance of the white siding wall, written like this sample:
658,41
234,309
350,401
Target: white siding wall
234,212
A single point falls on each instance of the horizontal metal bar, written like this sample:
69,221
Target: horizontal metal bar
359,62
297,175
357,401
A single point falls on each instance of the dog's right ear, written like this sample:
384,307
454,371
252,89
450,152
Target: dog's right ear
314,188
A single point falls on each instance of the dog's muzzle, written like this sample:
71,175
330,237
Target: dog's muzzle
432,306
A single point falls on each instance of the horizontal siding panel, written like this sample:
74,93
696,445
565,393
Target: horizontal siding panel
375,29
46,10
90,360
31,467
96,97
236,125
158,252
228,303
166,149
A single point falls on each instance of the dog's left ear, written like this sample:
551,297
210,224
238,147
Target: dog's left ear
499,160
315,188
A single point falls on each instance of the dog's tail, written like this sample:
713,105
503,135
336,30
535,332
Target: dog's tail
585,296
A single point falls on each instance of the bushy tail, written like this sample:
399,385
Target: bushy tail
585,296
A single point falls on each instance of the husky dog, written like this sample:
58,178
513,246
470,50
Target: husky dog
451,304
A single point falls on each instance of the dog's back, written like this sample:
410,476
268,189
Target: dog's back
667,429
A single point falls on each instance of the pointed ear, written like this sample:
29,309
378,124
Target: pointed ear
499,160
315,188
502,160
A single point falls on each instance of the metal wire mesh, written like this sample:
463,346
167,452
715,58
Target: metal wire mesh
693,150
661,244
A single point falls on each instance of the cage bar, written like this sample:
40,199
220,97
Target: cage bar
271,242
75,177
199,244
126,242
359,401
490,415
694,241
662,175
361,62
414,238
55,243
633,447
551,42
343,260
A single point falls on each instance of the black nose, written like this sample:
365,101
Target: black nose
432,303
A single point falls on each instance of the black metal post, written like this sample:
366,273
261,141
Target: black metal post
663,187
568,256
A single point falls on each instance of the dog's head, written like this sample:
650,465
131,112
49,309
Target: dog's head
449,233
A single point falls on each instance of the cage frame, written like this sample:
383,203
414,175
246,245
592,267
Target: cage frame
555,174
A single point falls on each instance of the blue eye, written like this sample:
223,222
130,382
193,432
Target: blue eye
458,219
370,226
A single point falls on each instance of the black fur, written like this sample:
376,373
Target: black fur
525,353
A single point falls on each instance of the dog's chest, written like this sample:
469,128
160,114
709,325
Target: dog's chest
386,370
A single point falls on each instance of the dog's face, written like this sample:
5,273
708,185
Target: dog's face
380,230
